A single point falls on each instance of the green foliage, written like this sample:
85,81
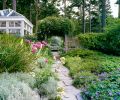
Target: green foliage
110,24
104,42
73,64
92,61
31,37
14,54
13,88
22,77
108,89
84,78
85,65
49,88
48,9
55,40
42,62
56,43
55,26
45,83
80,53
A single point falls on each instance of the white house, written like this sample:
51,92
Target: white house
14,23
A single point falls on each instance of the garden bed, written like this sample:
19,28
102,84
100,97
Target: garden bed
91,71
25,70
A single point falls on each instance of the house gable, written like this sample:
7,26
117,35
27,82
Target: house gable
9,12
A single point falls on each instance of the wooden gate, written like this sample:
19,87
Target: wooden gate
71,43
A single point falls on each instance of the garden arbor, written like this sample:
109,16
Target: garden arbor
56,26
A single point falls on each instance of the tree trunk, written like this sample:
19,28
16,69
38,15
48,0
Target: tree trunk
103,14
83,8
119,11
31,12
36,21
14,4
4,4
64,1
36,17
90,17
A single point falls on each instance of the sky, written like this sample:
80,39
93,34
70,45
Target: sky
114,8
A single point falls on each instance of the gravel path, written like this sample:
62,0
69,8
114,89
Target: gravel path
65,82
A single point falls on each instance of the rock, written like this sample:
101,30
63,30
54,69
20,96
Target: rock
78,96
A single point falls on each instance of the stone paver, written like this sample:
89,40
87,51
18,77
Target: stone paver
65,82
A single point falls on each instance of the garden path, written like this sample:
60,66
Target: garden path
65,81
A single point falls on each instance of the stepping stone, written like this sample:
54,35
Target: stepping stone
67,96
67,82
78,96
72,90
61,84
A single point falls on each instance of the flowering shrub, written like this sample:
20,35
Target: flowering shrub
36,46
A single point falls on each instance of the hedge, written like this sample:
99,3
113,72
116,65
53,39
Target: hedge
108,42
55,26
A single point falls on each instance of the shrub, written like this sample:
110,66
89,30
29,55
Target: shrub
106,42
31,37
42,62
56,43
45,83
22,77
52,26
55,40
13,89
92,61
14,54
108,89
49,88
80,53
73,64
84,78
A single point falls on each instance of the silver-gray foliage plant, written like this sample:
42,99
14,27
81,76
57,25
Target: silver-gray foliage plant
12,87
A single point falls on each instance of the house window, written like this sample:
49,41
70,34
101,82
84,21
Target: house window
3,24
11,24
25,25
18,24
14,31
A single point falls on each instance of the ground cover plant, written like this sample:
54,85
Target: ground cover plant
16,87
108,89
94,72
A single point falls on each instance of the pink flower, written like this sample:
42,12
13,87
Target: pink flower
45,43
46,60
38,42
28,41
34,49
